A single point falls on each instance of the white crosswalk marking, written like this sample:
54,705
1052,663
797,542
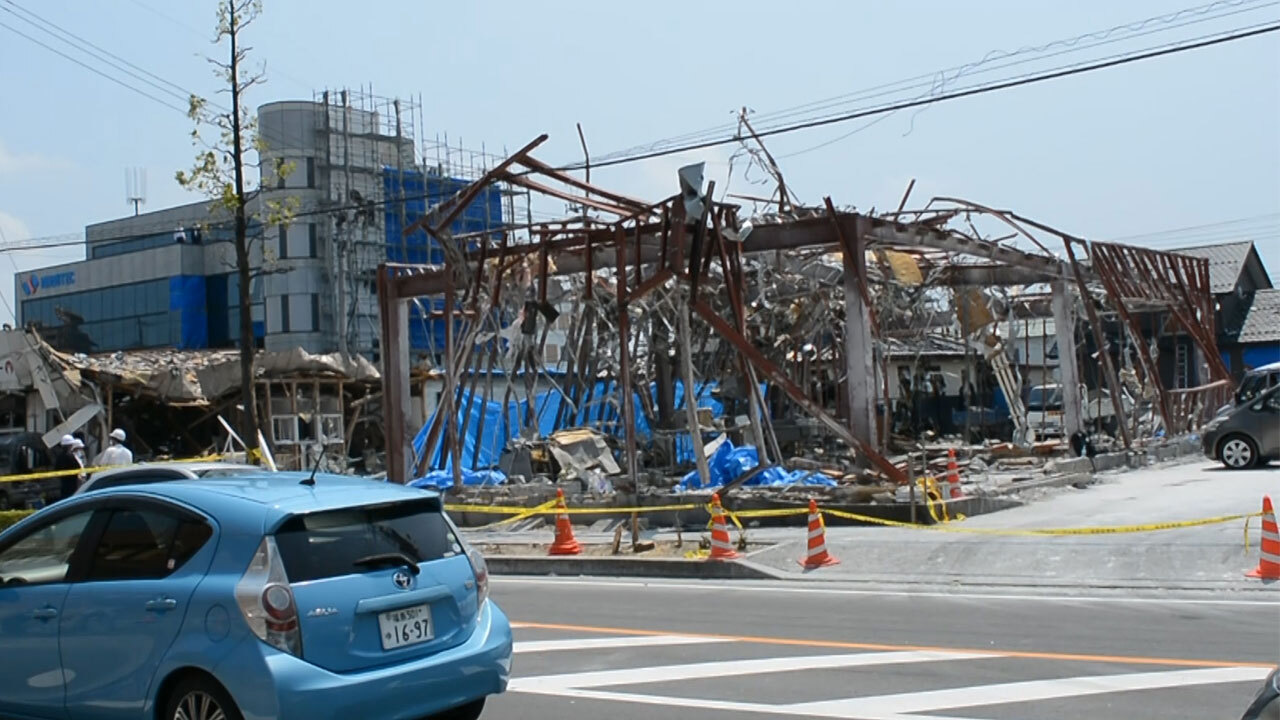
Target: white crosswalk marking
923,704
964,697
728,668
536,646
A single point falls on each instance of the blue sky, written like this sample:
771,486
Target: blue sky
1179,142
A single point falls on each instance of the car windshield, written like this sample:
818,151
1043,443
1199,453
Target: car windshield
340,542
1044,398
1253,385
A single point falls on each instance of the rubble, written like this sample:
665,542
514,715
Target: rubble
815,341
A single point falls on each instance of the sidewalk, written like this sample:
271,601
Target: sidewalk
1206,557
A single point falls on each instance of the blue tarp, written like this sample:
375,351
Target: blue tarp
729,463
488,432
443,479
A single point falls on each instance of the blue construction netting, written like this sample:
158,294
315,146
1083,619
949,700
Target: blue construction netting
188,301
409,195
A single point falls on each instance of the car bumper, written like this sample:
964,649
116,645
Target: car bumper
266,683
1209,445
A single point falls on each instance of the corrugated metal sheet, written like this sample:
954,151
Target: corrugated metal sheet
1262,323
1226,262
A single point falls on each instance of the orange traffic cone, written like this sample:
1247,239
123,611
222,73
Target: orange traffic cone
565,543
818,555
1269,564
721,546
953,476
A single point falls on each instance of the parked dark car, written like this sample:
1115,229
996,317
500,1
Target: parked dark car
1266,706
1246,435
22,453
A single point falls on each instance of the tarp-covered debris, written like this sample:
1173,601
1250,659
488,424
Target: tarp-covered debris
728,463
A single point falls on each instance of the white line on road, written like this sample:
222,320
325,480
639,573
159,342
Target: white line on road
904,706
791,587
1018,692
729,668
537,646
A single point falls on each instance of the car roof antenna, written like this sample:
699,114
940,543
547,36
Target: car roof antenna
311,479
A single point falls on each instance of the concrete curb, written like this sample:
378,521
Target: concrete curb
672,568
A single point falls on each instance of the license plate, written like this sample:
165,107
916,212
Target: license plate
406,626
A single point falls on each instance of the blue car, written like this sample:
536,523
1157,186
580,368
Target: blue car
252,597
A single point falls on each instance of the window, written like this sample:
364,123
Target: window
284,313
282,251
43,555
136,478
329,544
315,313
141,544
311,172
311,238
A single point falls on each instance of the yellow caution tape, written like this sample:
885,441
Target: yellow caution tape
944,523
1041,532
551,510
516,518
99,468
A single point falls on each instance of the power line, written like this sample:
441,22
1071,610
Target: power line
156,81
1272,219
1029,79
92,69
931,80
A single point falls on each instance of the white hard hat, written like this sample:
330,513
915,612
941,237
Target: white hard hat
118,434
77,444
66,440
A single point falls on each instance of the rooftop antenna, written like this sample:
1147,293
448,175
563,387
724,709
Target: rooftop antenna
311,479
135,188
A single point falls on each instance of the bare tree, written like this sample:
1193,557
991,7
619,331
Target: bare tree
219,172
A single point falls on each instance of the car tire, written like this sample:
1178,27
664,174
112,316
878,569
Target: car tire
199,697
1238,452
470,711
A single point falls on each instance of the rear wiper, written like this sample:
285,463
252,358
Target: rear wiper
391,558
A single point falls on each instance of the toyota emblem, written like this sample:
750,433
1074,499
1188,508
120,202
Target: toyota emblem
402,579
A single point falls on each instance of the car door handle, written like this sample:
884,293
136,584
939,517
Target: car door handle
161,604
44,613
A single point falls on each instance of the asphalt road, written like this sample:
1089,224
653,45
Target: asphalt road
624,650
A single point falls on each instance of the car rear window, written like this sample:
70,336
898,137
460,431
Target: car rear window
328,544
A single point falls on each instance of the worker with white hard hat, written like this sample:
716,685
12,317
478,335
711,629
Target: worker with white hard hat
65,460
115,453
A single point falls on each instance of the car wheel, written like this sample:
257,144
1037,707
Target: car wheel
470,711
200,698
1238,452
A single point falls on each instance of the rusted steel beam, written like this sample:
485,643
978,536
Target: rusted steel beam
525,182
393,317
1095,324
443,215
652,282
624,356
1102,265
545,169
797,394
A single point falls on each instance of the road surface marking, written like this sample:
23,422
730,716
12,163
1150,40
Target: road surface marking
537,646
808,589
904,706
726,668
993,652
1018,692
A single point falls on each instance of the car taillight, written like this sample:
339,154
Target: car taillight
266,601
481,570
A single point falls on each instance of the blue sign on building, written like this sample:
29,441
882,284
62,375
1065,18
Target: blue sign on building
36,282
